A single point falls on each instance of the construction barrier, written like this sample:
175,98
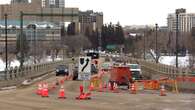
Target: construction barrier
147,84
186,78
95,82
156,84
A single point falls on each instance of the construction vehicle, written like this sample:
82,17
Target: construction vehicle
120,75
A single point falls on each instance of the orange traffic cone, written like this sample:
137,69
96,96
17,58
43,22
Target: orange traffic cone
61,93
100,87
62,81
39,90
45,91
109,86
115,88
133,88
162,91
91,87
83,96
105,86
65,77
53,86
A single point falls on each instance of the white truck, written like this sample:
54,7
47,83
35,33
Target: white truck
135,71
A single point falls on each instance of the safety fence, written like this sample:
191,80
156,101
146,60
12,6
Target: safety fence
16,75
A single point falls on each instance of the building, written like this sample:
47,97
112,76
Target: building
36,6
185,21
53,3
90,20
82,20
19,1
42,33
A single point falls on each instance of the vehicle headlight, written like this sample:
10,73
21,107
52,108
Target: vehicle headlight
57,70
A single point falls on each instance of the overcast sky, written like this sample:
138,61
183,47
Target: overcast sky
132,12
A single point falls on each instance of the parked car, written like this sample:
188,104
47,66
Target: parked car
61,70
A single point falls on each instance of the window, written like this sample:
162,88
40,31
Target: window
43,3
52,2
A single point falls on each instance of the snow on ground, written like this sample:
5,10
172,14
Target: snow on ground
15,63
170,60
2,65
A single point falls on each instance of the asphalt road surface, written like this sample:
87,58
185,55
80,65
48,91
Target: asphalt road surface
26,99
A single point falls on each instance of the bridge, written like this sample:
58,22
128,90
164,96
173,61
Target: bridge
16,97
151,70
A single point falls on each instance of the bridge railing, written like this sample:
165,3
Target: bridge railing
161,68
17,75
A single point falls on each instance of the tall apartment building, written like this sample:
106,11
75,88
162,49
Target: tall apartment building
53,3
91,20
185,22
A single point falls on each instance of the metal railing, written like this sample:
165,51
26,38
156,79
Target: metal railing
158,68
16,75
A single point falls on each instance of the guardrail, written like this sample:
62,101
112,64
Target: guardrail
16,75
157,68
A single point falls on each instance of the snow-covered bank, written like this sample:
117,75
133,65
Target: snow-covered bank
15,63
171,60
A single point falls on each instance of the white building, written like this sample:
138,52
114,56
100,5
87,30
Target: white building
185,22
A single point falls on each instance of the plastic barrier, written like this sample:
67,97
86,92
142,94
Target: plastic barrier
96,83
148,84
186,78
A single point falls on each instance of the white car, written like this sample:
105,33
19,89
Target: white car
135,71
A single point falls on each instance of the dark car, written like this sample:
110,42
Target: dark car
61,70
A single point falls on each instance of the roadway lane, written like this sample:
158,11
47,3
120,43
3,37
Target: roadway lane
26,99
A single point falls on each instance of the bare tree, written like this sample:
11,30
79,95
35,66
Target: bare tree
77,43
190,42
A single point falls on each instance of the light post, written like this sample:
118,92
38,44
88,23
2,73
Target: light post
52,46
156,46
100,40
177,12
34,36
6,53
144,45
177,32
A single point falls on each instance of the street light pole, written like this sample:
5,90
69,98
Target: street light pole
144,45
156,43
6,56
53,46
177,32
100,39
34,31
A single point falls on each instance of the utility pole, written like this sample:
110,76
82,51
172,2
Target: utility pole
156,43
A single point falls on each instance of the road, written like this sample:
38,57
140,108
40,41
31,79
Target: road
26,99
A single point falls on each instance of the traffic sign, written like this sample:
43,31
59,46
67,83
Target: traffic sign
84,64
84,68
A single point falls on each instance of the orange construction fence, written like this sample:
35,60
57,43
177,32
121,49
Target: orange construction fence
154,84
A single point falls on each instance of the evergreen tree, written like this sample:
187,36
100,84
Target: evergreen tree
112,35
119,34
